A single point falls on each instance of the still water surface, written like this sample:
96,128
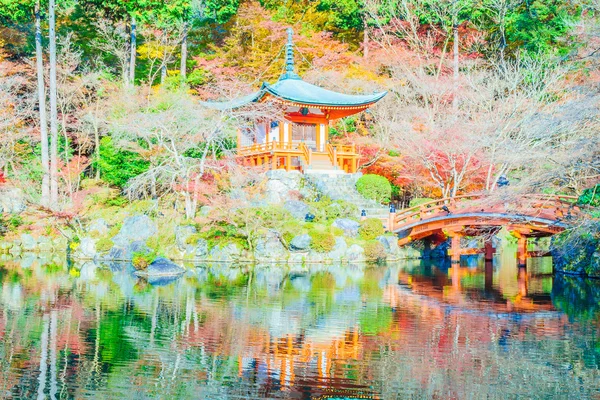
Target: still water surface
406,330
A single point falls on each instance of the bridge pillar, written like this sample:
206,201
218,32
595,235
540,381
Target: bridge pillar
522,251
521,246
455,246
489,250
522,281
489,276
426,248
391,219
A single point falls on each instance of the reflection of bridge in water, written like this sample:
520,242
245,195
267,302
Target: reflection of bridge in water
530,216
485,288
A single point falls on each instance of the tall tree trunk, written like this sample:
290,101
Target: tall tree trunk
455,63
365,40
183,65
133,50
97,140
53,107
45,200
153,193
163,73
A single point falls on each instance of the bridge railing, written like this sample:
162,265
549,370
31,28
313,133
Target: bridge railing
429,209
557,205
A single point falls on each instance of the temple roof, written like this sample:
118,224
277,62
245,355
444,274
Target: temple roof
299,91
290,88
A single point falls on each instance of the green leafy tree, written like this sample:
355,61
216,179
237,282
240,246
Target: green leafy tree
358,16
118,166
540,26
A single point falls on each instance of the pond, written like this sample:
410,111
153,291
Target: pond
414,329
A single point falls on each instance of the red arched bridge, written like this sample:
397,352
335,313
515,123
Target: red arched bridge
476,215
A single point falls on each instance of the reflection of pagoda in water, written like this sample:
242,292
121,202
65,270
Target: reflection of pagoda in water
437,301
287,359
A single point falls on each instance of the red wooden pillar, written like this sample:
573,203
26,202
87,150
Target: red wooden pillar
489,276
455,275
521,236
522,281
522,251
489,250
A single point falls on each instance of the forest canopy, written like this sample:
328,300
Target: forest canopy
478,89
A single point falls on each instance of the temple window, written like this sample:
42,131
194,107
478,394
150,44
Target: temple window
305,133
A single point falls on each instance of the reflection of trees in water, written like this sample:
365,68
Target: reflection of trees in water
222,332
577,297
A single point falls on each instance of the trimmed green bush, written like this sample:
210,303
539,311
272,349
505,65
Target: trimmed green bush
375,251
370,228
322,242
374,187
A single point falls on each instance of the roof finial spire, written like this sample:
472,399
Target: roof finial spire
289,57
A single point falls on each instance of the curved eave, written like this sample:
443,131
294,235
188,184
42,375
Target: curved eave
297,92
349,106
235,103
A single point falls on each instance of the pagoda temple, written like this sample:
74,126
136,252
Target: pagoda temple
301,140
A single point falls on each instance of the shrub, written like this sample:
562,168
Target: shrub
162,240
193,239
10,224
115,229
103,245
418,201
141,261
118,201
218,233
370,228
590,196
74,243
335,231
374,250
14,222
290,230
374,187
118,166
322,242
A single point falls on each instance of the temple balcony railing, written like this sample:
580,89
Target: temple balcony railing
257,149
288,155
